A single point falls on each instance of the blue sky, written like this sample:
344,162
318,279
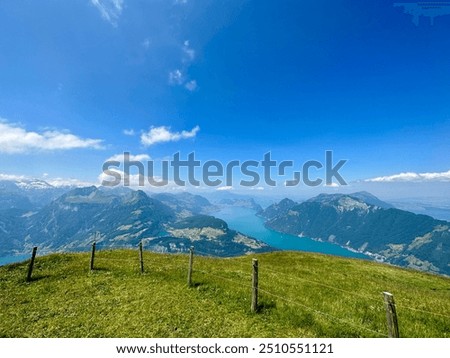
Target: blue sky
82,81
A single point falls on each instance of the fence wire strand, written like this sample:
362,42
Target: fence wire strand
112,259
420,310
322,313
224,278
329,316
321,284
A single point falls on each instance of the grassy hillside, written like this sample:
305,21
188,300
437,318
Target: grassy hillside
302,295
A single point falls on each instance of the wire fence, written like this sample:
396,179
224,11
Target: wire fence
243,279
293,302
283,298
350,293
296,278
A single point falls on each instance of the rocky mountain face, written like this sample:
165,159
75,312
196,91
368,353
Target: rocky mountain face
185,204
114,218
82,215
278,209
364,223
248,203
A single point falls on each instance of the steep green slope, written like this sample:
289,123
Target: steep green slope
302,295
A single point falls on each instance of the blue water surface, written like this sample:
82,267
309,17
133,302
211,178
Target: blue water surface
245,221
13,259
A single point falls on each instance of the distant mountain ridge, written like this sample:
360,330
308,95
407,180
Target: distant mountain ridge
364,223
277,209
114,217
81,215
28,194
185,204
249,203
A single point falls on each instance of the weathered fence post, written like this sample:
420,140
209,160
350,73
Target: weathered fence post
92,256
30,266
255,285
191,262
391,315
141,257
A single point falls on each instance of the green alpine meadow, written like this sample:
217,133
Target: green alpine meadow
299,295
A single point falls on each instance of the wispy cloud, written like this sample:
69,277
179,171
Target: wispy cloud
224,188
259,188
15,139
137,157
413,177
68,182
139,182
129,132
176,77
11,177
109,9
146,43
55,182
188,52
163,134
191,85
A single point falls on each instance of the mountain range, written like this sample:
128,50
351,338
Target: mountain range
362,222
33,212
113,218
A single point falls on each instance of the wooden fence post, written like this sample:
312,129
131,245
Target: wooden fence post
191,262
92,256
391,315
30,266
255,285
141,257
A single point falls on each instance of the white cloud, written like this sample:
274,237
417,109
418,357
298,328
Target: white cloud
109,9
55,182
146,43
191,85
163,134
137,157
68,182
129,132
11,177
15,139
225,188
176,77
182,2
135,181
188,52
413,177
332,185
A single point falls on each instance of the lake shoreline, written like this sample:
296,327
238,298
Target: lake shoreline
246,221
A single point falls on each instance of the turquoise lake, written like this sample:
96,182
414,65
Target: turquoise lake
12,259
245,221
